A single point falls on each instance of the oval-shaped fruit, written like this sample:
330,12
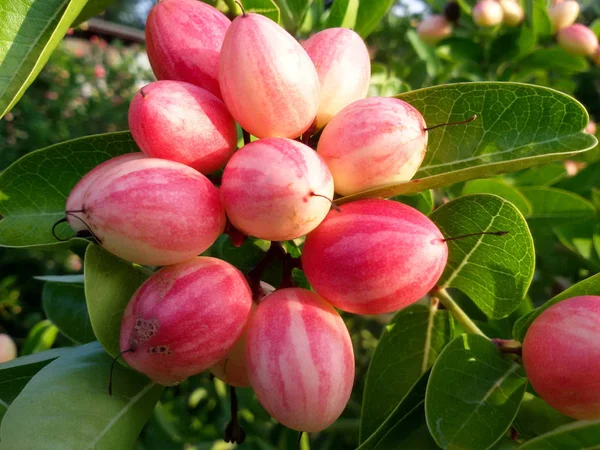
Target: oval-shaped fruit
153,211
344,66
184,318
75,199
8,348
267,79
433,29
374,257
300,359
578,39
513,12
487,13
563,14
591,127
183,40
561,355
276,189
184,123
373,142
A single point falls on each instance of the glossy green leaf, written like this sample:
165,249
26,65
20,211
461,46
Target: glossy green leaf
494,271
266,8
31,30
41,337
518,126
584,435
579,238
370,13
556,59
64,304
292,12
554,207
343,13
423,201
110,283
408,347
66,405
34,190
92,9
536,14
473,394
501,189
536,417
75,279
541,176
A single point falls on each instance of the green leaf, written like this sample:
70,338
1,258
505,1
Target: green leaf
408,347
343,13
75,279
370,13
266,8
584,181
518,126
292,12
494,271
589,286
541,176
554,207
425,53
501,189
31,30
555,59
583,435
423,201
66,405
579,238
473,394
92,9
41,337
536,417
64,304
458,49
34,190
536,14
110,283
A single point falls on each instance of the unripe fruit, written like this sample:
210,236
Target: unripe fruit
183,39
374,257
153,211
561,355
300,359
433,29
8,348
184,123
184,318
487,13
75,199
513,12
344,67
267,79
563,14
276,189
578,39
373,142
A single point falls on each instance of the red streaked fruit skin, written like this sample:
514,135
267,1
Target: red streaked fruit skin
373,142
434,28
344,66
75,199
153,211
300,359
184,123
374,257
487,13
184,318
577,39
561,355
183,39
267,79
268,186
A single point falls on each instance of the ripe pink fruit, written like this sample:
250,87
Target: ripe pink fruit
591,127
374,257
276,189
373,142
300,359
184,318
8,348
183,39
153,211
433,29
563,14
75,199
487,13
184,123
344,67
268,81
513,12
578,39
561,355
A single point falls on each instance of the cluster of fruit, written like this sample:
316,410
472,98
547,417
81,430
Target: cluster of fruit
574,38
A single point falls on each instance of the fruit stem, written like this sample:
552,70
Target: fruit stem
112,367
470,119
276,251
242,8
457,312
509,346
246,136
234,433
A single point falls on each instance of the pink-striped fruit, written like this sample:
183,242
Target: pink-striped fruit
276,189
75,199
578,39
185,318
374,257
153,211
268,81
373,142
487,13
561,355
8,348
513,12
300,359
344,67
183,39
563,13
184,123
434,28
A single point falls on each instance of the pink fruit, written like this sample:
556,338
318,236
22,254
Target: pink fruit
153,211
591,127
373,142
185,318
300,359
276,189
268,81
578,39
562,14
434,28
561,355
513,12
183,39
75,199
344,67
8,348
184,123
487,13
374,257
